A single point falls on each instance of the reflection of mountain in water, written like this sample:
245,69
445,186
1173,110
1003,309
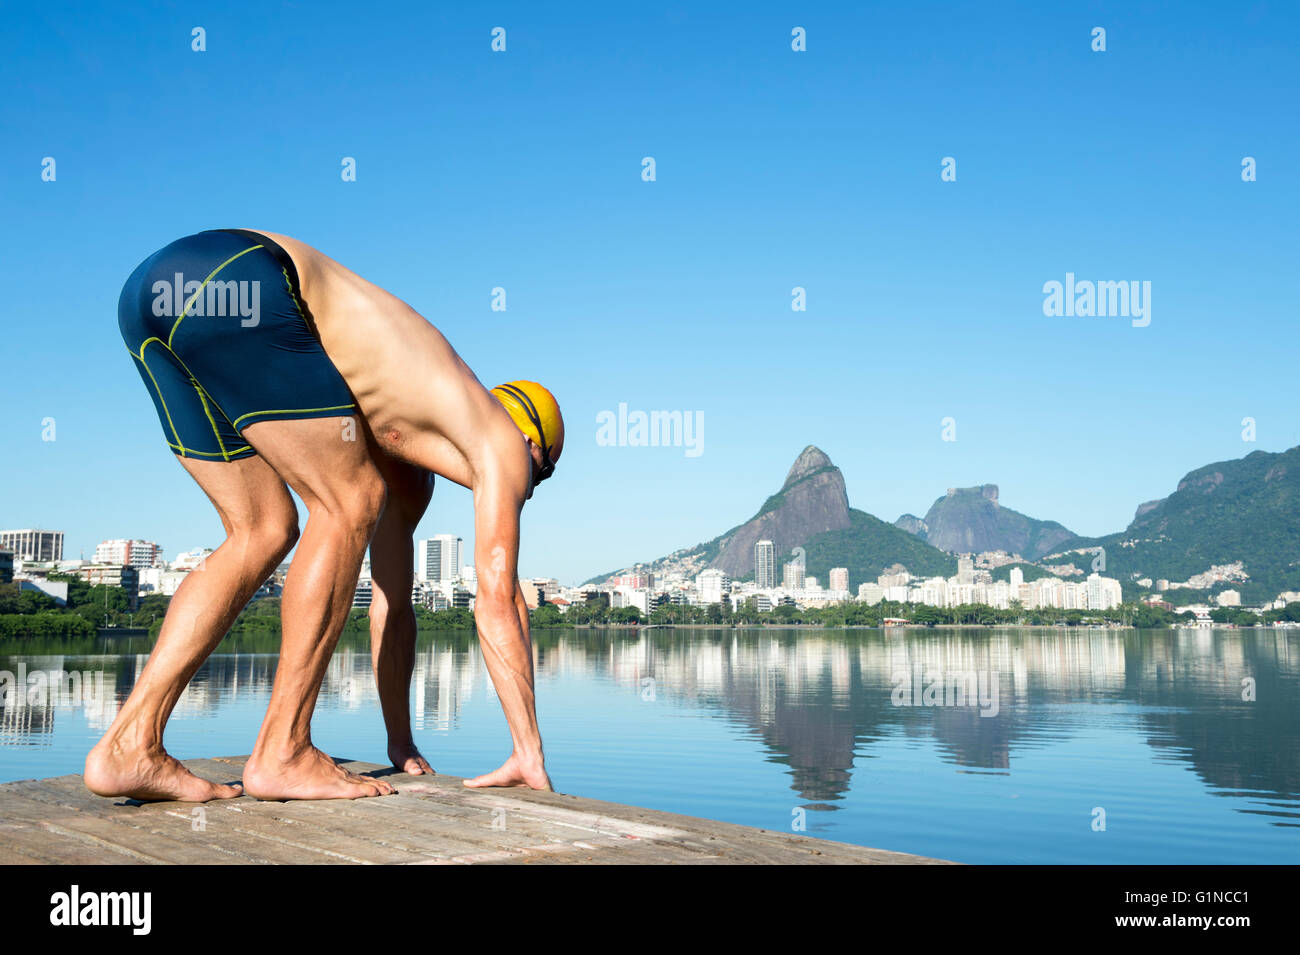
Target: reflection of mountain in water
821,700
1195,684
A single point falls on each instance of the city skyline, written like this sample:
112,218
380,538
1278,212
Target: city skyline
423,537
441,582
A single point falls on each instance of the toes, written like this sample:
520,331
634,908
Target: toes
381,788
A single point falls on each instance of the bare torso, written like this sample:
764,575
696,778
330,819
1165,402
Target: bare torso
421,401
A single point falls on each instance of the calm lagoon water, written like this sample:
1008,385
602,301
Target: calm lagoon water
788,728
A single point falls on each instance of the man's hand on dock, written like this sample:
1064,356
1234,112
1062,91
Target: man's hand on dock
407,759
516,771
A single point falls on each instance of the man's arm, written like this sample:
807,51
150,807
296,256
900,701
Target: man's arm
392,618
501,618
521,605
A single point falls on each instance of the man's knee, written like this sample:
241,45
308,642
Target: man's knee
272,534
282,535
362,504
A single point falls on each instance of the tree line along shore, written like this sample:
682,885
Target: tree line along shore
90,609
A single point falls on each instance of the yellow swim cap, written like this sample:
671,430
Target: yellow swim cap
536,413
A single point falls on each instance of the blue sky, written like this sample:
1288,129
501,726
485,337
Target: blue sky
775,169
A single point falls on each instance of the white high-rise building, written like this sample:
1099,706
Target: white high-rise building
1102,593
870,593
839,578
792,575
437,559
765,565
1017,578
965,570
714,586
133,553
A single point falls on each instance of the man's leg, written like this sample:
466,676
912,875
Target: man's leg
261,525
344,494
392,618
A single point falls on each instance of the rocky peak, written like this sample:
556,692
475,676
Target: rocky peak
913,525
987,491
811,501
971,520
811,458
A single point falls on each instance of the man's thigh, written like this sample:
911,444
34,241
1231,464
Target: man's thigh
410,487
325,460
246,492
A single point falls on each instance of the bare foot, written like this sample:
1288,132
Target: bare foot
112,770
515,772
308,775
405,757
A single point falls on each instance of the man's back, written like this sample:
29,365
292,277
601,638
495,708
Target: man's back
422,402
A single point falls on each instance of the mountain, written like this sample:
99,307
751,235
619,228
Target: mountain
969,520
811,501
869,546
1246,510
1231,524
811,510
913,525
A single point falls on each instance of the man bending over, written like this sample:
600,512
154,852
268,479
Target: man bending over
355,403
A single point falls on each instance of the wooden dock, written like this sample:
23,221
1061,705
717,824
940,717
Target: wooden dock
432,820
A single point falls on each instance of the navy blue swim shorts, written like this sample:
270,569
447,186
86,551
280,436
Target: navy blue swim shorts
217,329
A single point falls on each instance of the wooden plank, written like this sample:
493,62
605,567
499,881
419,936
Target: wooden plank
431,820
444,828
228,838
93,830
398,825
52,848
28,841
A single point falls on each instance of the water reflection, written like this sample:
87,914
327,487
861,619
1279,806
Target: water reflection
822,703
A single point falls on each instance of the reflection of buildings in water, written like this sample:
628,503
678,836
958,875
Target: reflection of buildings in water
820,699
33,688
222,679
444,679
797,695
1037,666
814,698
817,699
